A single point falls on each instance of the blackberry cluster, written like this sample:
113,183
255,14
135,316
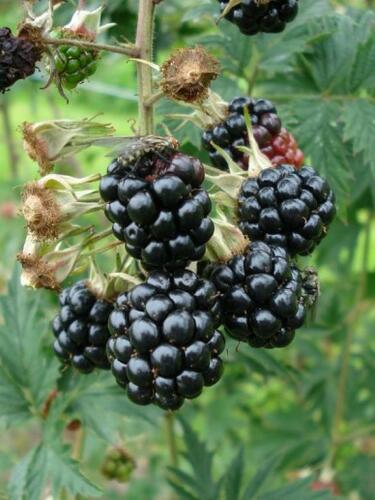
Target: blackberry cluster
287,207
273,140
256,16
18,58
81,329
158,209
262,300
164,345
74,65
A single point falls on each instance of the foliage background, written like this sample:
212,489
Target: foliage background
280,423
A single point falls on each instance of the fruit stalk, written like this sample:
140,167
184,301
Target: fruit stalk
171,437
144,41
351,321
125,49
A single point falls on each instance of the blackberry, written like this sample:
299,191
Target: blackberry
262,301
287,207
18,58
164,345
273,140
81,329
74,65
158,209
256,16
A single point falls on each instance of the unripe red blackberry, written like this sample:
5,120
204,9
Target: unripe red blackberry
81,328
18,57
273,140
158,209
256,16
165,346
262,301
287,207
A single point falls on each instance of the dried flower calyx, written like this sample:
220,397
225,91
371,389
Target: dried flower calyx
188,73
50,141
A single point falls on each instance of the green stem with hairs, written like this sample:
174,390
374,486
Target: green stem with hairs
350,324
144,45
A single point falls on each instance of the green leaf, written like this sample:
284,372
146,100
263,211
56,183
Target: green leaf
63,472
48,464
296,491
359,119
27,479
260,477
320,136
233,477
27,373
201,482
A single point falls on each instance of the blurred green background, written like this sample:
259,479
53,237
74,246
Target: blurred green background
302,417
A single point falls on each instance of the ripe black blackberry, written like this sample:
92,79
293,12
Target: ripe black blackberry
164,345
255,16
18,58
81,328
158,209
273,140
262,299
287,207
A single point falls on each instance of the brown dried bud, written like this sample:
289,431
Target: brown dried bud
41,212
188,73
39,273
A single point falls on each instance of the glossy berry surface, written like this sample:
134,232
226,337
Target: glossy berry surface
262,301
254,16
158,209
273,140
74,65
18,58
81,329
165,346
287,207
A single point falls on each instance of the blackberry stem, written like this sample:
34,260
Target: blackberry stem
171,438
350,322
144,43
125,49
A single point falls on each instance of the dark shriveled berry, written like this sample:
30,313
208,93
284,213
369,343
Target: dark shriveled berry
81,329
166,346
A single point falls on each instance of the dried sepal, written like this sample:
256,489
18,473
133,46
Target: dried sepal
226,242
41,212
188,73
51,141
45,266
48,205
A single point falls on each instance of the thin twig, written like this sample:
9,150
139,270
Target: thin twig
351,322
126,49
154,98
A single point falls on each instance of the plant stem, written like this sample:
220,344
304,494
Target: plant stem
125,49
144,42
350,324
9,140
171,438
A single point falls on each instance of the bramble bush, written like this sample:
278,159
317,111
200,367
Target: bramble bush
202,305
